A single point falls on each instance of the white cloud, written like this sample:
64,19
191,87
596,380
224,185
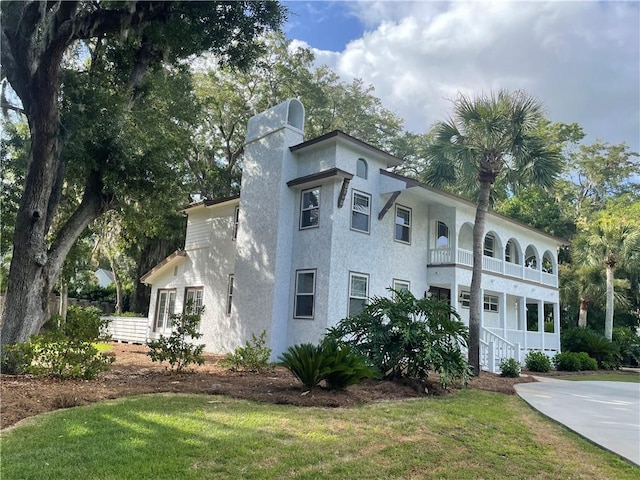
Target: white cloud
580,59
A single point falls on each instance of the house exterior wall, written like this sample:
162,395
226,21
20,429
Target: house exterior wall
271,247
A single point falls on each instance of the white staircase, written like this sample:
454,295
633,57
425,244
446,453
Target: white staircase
494,349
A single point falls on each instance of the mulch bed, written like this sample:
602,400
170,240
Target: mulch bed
134,373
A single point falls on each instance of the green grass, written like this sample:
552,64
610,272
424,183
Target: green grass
469,435
103,347
602,377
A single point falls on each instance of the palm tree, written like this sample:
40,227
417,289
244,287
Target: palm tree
489,139
610,241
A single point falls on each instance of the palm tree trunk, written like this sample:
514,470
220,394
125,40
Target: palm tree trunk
582,316
608,319
475,294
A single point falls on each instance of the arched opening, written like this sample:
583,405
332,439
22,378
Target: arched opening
548,262
362,169
531,257
295,114
492,246
512,252
465,237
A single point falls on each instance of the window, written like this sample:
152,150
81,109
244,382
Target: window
358,292
192,298
403,224
442,235
310,208
508,253
164,309
489,243
305,293
360,211
490,303
362,168
400,285
236,220
229,294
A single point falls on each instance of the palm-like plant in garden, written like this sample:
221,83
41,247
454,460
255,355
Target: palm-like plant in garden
610,241
489,139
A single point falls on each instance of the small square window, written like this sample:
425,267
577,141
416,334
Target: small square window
400,285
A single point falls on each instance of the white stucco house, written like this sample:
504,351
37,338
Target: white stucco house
321,225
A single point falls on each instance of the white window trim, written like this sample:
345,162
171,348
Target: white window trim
493,246
353,203
166,320
312,294
193,290
366,295
397,281
229,293
448,236
366,168
396,224
302,209
236,221
490,303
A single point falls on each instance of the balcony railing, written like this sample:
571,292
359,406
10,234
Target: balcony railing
440,256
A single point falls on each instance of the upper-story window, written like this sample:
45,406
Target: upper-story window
362,169
360,211
489,246
310,208
236,220
442,235
403,224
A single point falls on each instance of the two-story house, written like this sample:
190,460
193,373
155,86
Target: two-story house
321,226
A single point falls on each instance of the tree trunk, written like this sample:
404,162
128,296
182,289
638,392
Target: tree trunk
475,294
582,316
608,319
116,280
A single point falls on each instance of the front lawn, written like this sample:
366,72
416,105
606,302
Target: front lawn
602,376
471,434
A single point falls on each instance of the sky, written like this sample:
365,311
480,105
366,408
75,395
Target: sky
581,60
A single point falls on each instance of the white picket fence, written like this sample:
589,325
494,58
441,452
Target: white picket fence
128,329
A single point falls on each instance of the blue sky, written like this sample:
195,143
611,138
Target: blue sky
580,59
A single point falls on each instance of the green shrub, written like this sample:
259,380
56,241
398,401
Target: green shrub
509,367
337,364
176,348
537,362
253,357
403,336
628,342
64,352
597,346
574,362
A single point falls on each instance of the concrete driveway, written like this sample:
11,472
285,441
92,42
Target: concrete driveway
606,413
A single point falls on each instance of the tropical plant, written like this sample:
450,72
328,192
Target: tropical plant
574,362
307,362
628,342
603,350
509,367
537,362
489,139
403,336
177,348
253,357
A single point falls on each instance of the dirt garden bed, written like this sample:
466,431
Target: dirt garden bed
133,373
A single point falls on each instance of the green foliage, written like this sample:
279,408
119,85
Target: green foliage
628,342
64,352
509,367
176,348
574,362
537,362
253,357
403,336
595,345
337,364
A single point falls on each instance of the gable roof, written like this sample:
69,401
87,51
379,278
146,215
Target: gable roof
173,260
208,202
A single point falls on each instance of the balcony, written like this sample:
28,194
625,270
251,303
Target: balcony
442,256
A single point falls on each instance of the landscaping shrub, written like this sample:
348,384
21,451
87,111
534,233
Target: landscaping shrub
597,346
628,342
537,362
67,352
253,357
403,336
574,362
509,367
176,348
335,363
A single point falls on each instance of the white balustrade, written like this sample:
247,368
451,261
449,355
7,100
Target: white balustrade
465,257
491,264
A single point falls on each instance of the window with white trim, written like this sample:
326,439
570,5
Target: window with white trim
465,297
403,224
358,292
236,221
229,294
305,294
442,235
360,211
165,305
401,285
489,246
193,298
309,208
362,169
490,303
